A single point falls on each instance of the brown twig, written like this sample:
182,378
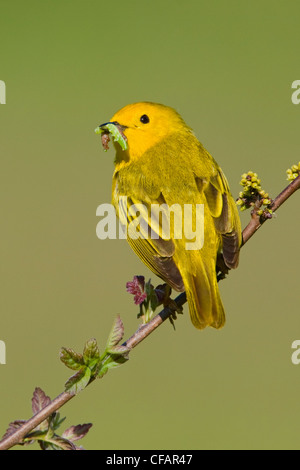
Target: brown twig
64,397
145,330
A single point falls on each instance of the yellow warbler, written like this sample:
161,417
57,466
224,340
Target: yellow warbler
164,165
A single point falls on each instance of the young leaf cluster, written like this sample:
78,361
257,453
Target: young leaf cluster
91,364
46,434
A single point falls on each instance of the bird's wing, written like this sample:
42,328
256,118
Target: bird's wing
145,238
225,215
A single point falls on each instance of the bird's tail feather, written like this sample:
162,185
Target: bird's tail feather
205,304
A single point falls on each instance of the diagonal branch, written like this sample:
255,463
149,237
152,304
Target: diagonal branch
144,330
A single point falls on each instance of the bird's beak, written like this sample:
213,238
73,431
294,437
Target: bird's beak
105,124
115,123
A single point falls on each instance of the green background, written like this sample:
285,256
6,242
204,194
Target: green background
227,67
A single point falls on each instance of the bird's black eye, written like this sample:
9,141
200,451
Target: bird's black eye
145,119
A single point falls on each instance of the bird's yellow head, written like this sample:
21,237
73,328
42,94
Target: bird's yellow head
144,125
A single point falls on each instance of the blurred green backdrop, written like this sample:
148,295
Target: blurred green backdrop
227,67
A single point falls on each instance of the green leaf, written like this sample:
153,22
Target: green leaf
44,445
118,360
119,349
78,381
116,333
71,359
39,400
114,360
57,443
56,421
74,433
36,435
13,427
102,372
152,299
91,353
149,288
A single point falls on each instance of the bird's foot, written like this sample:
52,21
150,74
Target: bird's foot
164,291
